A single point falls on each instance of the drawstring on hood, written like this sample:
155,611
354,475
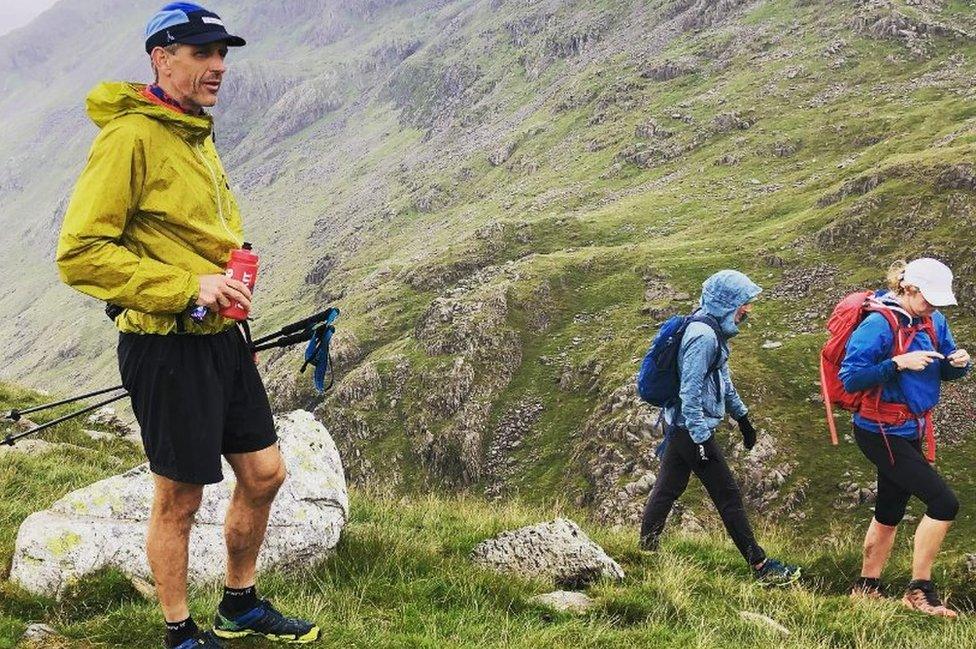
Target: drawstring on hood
722,295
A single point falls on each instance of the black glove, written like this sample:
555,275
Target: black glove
748,432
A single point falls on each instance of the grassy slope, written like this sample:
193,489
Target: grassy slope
400,577
707,216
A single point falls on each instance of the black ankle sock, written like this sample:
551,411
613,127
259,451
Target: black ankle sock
238,601
873,582
179,632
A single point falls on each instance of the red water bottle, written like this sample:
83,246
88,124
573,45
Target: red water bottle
243,266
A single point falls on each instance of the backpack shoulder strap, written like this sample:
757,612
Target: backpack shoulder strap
872,305
928,326
712,322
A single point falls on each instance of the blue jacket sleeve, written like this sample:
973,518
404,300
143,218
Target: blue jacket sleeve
947,345
698,355
733,403
867,358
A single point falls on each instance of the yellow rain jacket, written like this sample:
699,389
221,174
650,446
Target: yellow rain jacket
150,213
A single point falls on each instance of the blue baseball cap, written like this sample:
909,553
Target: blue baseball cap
184,22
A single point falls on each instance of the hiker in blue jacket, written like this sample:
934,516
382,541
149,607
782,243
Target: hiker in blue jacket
706,394
893,423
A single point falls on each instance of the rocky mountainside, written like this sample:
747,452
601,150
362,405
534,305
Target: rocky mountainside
506,197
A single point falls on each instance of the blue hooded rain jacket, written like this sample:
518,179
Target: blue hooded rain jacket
703,401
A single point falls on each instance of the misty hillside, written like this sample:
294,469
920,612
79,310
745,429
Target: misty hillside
506,197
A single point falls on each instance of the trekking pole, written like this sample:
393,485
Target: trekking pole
17,413
298,326
9,440
286,341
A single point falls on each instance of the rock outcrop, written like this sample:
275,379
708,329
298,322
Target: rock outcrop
620,438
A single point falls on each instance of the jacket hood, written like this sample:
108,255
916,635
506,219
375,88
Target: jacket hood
110,100
722,295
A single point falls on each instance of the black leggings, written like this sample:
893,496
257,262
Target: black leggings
910,475
680,459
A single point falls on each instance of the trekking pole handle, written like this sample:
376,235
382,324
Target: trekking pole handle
301,324
282,342
9,440
17,413
298,326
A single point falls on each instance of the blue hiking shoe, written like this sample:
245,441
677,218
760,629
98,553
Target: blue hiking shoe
265,620
202,640
776,573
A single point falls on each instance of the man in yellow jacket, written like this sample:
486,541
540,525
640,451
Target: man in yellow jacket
149,229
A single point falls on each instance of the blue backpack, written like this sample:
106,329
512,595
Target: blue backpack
658,382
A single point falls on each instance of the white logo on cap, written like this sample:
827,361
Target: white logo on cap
169,36
212,21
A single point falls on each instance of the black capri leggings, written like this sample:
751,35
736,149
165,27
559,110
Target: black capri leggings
910,475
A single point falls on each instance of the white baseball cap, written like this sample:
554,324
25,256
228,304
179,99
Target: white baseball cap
933,279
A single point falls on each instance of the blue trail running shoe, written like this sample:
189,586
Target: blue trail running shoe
776,573
265,620
202,640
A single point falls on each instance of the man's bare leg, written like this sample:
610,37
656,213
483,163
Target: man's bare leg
174,506
259,476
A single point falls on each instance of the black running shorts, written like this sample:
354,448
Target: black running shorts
196,397
903,474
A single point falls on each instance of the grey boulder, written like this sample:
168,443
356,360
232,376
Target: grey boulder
103,525
558,551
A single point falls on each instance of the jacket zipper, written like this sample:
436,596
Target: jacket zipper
213,176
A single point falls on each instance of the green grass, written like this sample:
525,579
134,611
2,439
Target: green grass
401,577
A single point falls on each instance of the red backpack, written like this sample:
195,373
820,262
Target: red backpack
847,315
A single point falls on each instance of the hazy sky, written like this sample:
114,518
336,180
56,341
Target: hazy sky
17,13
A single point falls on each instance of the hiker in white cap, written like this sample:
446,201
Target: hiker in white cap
897,358
930,278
